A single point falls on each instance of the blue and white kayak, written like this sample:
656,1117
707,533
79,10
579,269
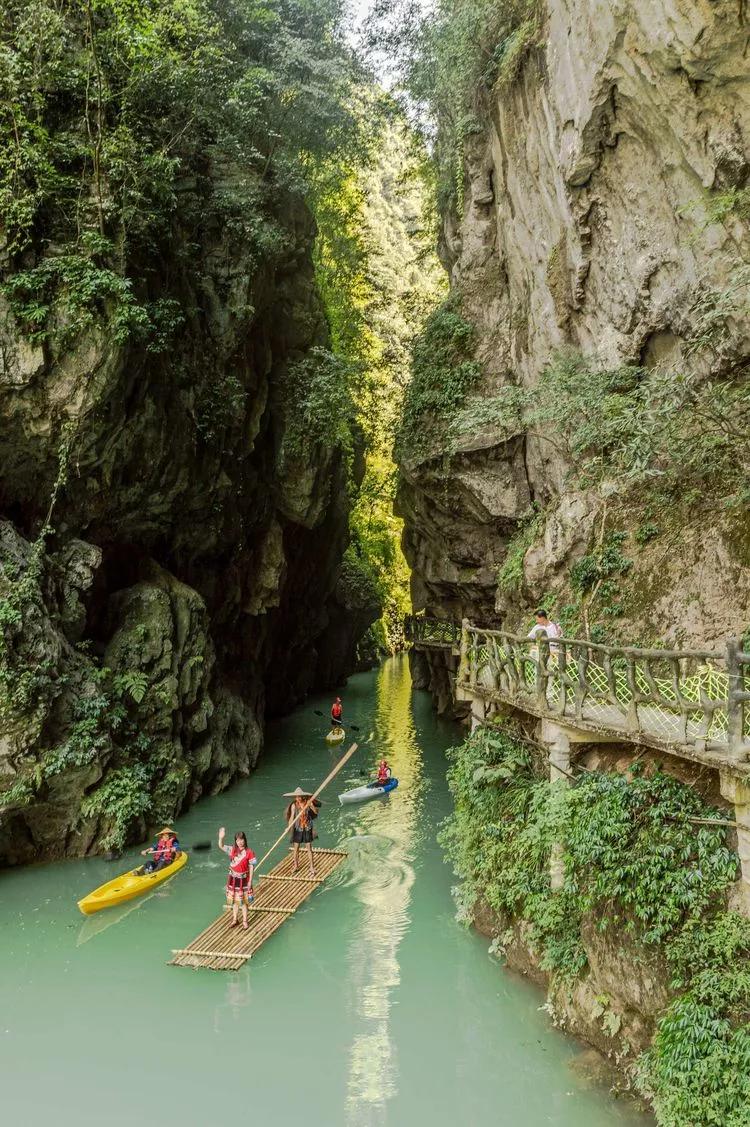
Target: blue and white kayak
370,790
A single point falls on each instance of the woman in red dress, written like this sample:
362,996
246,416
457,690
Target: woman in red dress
240,878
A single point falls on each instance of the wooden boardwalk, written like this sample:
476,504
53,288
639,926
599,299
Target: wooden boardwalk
278,895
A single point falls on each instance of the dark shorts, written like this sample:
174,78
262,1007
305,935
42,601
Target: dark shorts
302,837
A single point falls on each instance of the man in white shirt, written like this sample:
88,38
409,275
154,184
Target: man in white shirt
544,627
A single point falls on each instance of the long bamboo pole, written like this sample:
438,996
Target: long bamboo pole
332,775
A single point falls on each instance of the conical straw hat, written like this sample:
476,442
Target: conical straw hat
298,793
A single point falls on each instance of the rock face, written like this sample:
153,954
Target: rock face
615,1006
194,566
585,226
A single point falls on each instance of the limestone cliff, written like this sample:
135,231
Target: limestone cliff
195,558
604,214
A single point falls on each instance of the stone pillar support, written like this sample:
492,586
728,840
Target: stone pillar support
737,791
557,741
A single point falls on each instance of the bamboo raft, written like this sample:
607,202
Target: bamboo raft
278,896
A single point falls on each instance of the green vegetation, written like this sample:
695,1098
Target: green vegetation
140,142
451,58
378,275
718,207
660,429
319,404
510,573
124,121
634,862
697,1068
24,676
443,372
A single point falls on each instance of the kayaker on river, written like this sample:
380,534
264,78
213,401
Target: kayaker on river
384,773
303,831
240,879
337,713
163,851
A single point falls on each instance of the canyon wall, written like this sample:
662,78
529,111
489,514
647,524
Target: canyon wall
193,571
604,213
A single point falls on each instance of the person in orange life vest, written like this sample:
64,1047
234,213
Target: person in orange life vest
163,851
337,713
306,807
384,773
240,879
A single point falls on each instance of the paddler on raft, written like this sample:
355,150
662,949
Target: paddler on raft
303,831
337,713
240,878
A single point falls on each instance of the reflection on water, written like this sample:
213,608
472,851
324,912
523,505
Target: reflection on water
384,891
237,997
95,925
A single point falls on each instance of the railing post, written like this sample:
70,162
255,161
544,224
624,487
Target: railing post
542,676
463,664
735,736
632,718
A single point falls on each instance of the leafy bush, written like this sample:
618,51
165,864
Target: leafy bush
219,405
358,583
605,561
510,573
698,1070
646,532
318,404
79,290
502,413
635,862
665,429
124,796
94,717
443,371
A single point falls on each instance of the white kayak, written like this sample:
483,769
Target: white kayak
370,790
336,736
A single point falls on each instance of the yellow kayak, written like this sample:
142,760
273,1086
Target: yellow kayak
336,736
128,886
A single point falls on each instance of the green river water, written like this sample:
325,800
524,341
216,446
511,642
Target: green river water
371,1006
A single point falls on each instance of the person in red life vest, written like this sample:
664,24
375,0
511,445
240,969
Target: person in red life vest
384,773
240,879
163,851
300,813
337,713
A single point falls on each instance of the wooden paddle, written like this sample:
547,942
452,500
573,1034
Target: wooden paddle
337,724
331,775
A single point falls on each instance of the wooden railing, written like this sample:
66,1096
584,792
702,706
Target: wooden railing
690,702
432,632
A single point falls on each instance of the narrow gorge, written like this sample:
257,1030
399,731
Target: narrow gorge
331,331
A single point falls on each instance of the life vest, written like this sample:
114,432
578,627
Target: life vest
382,774
239,860
164,851
336,711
